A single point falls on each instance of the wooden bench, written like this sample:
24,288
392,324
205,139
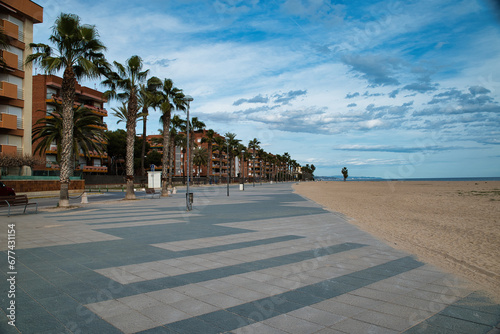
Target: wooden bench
152,192
17,200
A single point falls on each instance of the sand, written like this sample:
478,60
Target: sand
452,225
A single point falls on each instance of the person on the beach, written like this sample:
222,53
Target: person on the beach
344,172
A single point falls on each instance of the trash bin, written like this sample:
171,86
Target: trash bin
190,196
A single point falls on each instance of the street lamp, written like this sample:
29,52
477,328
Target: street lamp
188,99
228,165
242,170
261,172
253,168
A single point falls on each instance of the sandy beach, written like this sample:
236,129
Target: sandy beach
453,225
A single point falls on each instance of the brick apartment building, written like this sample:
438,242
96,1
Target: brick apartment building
46,95
219,161
17,18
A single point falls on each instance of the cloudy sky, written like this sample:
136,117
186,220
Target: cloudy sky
394,89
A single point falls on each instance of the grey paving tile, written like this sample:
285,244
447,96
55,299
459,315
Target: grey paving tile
131,322
356,326
193,326
335,307
292,324
384,320
164,314
194,307
317,316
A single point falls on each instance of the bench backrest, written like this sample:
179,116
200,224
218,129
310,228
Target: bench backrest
13,200
150,190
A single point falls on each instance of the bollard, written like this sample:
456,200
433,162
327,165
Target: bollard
84,198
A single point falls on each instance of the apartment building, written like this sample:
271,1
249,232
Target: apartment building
219,159
17,18
46,96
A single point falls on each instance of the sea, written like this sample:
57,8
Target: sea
365,178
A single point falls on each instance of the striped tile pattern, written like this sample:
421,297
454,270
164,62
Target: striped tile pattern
260,261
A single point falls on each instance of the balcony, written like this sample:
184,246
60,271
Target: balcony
8,121
8,150
10,29
102,127
8,90
95,169
97,111
11,60
95,154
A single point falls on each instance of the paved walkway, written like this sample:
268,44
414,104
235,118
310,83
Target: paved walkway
260,261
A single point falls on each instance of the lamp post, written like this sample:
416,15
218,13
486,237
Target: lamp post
253,168
228,165
188,99
261,172
242,170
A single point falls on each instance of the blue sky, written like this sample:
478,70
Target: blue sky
396,89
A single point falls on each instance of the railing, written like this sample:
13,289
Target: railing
98,169
8,89
8,149
9,121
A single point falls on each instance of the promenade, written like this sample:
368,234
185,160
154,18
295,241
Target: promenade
263,260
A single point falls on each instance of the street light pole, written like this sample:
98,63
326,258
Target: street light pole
253,168
229,166
188,99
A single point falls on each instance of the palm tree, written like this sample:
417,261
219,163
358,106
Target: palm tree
209,138
279,161
219,147
294,166
78,52
121,113
272,161
172,98
263,160
88,134
176,139
243,154
200,158
127,79
254,146
232,149
148,97
195,125
286,160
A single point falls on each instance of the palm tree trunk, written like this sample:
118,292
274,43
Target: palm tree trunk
171,158
191,139
143,151
129,157
209,171
68,98
166,150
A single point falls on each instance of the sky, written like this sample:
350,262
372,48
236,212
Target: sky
391,89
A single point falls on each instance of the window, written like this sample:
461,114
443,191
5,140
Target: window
50,92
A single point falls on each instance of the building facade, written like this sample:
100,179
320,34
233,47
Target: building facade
46,96
17,18
253,167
